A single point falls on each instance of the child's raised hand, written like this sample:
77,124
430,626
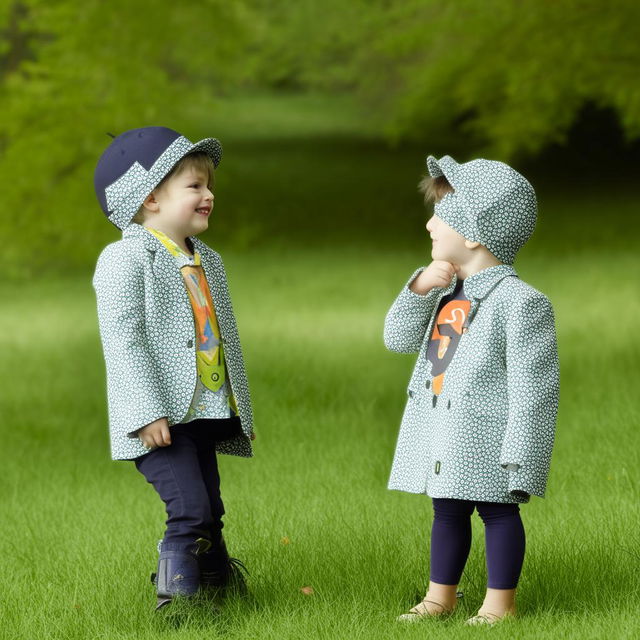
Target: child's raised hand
438,274
156,434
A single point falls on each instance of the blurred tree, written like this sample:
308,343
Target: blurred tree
506,77
502,77
72,71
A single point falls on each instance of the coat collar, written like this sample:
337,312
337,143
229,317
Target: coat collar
135,230
481,283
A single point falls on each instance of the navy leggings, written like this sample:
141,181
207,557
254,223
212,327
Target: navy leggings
451,541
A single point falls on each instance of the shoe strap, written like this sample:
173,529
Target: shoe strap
488,613
202,546
421,610
486,618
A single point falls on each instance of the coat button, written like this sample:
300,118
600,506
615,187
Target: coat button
410,393
427,384
189,343
434,401
449,404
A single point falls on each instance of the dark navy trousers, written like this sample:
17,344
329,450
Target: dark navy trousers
451,541
185,476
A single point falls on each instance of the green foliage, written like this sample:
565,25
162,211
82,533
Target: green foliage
498,77
505,77
80,69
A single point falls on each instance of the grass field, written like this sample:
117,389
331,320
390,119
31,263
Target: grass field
311,508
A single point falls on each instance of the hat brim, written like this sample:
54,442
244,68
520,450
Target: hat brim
446,167
210,146
433,167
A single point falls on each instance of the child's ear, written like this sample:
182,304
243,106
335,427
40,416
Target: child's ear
471,245
151,203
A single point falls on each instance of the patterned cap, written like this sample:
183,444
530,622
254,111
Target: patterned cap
491,204
135,163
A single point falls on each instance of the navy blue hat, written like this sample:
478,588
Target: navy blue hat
135,163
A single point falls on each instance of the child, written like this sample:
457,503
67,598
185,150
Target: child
176,384
479,424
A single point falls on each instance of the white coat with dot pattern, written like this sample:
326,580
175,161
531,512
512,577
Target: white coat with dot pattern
149,340
499,399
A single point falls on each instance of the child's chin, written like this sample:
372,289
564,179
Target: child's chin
438,255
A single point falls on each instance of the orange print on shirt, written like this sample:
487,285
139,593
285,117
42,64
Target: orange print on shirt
446,334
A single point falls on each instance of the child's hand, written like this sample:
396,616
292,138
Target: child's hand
156,434
438,274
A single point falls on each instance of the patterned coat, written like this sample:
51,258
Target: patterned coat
148,337
490,434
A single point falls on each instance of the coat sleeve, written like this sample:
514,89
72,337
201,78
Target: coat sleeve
408,318
533,383
133,392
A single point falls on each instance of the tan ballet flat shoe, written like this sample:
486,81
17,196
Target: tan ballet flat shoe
420,611
488,618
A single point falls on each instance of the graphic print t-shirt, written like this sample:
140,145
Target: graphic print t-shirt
212,397
447,331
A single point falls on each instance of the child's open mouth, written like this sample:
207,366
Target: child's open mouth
204,211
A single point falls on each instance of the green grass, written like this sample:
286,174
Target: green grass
79,531
318,236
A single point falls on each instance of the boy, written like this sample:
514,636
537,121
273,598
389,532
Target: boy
479,424
176,384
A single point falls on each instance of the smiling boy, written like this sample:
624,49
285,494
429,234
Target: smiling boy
176,384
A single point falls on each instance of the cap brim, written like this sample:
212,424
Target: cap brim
446,167
433,167
210,146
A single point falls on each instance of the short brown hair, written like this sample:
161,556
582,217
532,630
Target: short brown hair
434,189
197,160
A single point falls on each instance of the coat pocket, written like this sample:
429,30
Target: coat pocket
488,403
483,414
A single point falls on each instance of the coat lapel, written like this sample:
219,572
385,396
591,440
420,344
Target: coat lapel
166,269
164,265
480,284
475,287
